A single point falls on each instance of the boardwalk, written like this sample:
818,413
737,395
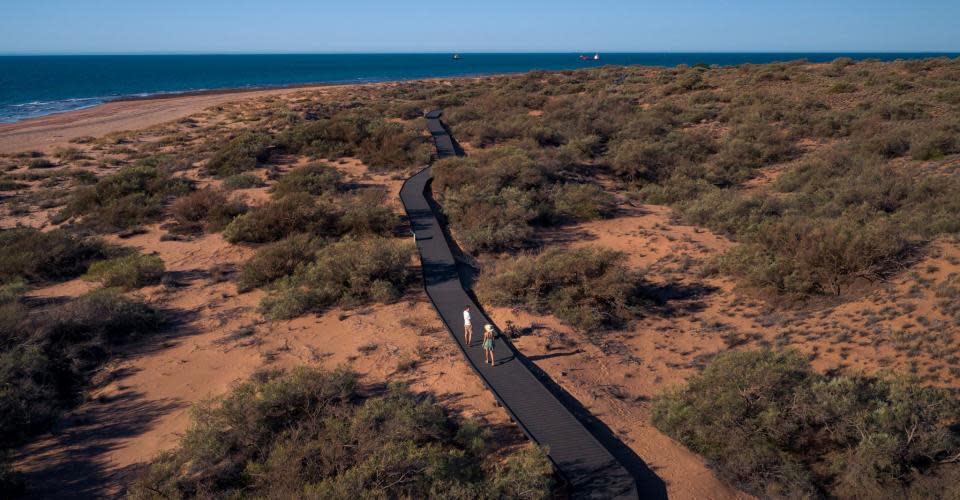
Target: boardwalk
590,469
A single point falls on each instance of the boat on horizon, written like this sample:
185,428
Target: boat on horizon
456,56
596,57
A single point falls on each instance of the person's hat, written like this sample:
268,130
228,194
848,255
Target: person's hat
488,328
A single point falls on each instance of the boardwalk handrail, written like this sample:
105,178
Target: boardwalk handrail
588,467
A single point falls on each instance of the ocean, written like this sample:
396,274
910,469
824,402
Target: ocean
32,86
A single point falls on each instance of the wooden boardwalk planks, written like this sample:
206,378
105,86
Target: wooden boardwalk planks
587,465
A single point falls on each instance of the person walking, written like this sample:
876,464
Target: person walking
488,335
467,327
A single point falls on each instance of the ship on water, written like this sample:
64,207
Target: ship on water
456,56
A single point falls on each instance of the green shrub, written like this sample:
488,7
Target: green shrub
52,355
240,154
778,429
316,434
9,185
315,179
35,255
367,212
407,111
842,88
130,271
495,198
658,157
581,202
380,144
347,273
394,146
950,96
40,163
206,208
132,196
813,256
842,216
935,145
275,220
242,181
277,260
12,312
588,288
69,154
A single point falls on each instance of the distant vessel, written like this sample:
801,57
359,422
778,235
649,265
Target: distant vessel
584,58
456,56
596,56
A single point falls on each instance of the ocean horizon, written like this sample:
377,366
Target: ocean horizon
37,85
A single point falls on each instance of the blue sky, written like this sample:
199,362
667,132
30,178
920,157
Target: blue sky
219,26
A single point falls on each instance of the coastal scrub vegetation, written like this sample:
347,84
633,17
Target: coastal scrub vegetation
205,209
348,273
845,187
380,144
589,288
827,178
299,212
32,255
134,270
495,199
315,179
132,196
308,432
276,260
775,427
49,356
240,154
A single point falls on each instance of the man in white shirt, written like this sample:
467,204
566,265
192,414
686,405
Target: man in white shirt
467,327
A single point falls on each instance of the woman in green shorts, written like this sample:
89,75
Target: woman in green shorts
488,336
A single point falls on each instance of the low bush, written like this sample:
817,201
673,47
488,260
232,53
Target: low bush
131,271
242,181
840,217
240,154
206,208
315,179
656,158
813,256
394,146
53,353
366,212
776,428
935,145
277,260
69,154
275,220
588,288
40,163
347,273
132,196
310,433
9,185
494,199
580,202
34,255
379,143
359,213
842,88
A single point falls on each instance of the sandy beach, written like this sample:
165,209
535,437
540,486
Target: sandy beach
47,133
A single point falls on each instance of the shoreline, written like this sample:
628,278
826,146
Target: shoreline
53,131
164,95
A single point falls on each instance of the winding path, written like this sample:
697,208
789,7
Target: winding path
589,467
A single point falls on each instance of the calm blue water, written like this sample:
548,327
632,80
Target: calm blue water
38,85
